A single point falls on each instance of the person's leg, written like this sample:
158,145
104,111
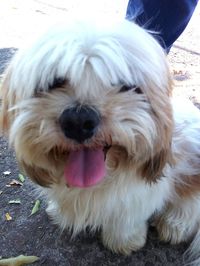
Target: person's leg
168,18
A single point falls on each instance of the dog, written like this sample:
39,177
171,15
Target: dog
89,111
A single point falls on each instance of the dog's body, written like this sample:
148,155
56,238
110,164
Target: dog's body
89,113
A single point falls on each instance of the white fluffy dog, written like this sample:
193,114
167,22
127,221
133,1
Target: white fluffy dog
88,110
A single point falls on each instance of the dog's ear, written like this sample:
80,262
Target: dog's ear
7,101
151,170
38,175
159,153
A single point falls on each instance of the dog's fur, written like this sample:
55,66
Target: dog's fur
153,163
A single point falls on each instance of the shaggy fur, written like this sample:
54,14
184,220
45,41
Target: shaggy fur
153,142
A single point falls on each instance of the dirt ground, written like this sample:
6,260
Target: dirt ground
35,234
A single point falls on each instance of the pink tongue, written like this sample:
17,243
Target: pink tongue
85,167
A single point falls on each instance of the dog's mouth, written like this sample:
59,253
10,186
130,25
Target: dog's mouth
86,167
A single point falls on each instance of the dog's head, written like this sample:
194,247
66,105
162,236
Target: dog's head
87,99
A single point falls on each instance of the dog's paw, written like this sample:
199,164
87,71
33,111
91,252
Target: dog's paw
123,243
171,231
122,246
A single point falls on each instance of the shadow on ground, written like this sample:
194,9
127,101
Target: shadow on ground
5,55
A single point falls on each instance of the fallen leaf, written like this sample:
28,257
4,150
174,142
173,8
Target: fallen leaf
8,218
7,173
21,178
35,207
17,201
18,261
14,182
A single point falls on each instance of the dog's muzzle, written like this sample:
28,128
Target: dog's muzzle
79,123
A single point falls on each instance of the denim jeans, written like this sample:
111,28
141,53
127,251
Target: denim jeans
167,18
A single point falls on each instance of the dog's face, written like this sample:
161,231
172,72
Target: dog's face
86,100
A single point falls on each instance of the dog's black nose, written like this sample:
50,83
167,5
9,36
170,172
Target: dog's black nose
79,123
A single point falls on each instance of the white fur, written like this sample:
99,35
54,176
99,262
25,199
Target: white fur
118,206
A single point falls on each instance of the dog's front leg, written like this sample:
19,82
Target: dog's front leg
124,235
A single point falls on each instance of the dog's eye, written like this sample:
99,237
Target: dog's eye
136,89
57,83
